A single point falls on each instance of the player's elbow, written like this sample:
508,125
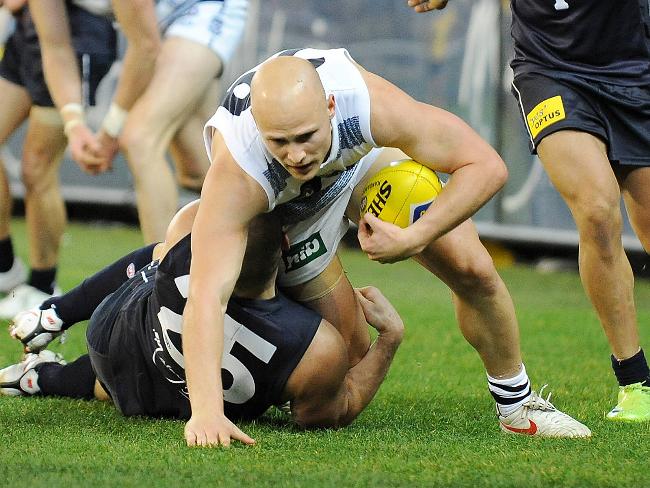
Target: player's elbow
501,172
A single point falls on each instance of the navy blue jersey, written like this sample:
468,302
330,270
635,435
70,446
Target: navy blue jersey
606,40
134,341
264,340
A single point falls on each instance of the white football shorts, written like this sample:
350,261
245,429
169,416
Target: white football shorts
218,25
314,241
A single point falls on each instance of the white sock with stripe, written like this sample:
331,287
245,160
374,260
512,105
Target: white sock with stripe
510,393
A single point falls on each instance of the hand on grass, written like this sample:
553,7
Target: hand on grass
213,431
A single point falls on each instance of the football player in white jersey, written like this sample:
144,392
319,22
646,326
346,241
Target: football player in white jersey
167,89
300,132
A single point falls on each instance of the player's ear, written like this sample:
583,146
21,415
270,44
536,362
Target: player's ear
331,105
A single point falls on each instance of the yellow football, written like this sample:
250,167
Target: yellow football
401,192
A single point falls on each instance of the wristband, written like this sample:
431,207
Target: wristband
114,120
71,124
72,109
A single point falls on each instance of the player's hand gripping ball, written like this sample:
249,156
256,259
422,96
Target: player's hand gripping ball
401,192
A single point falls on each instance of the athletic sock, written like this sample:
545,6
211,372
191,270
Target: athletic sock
631,370
510,393
6,255
43,279
79,303
74,380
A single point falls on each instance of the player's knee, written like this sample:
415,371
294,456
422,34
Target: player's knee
37,171
600,223
476,276
138,142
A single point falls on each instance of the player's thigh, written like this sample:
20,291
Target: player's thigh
635,186
43,146
577,165
184,70
331,295
15,103
461,261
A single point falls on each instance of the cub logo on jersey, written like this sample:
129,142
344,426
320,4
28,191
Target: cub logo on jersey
545,113
303,252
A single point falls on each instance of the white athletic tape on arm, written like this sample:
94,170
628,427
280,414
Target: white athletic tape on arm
72,114
114,120
71,109
71,124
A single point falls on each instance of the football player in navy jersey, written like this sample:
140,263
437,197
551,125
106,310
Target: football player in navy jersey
277,350
582,79
301,133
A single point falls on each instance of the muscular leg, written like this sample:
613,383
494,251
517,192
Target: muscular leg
578,166
188,149
44,207
331,295
183,72
484,309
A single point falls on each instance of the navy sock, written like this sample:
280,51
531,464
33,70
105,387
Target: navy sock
79,303
6,255
43,279
632,370
74,380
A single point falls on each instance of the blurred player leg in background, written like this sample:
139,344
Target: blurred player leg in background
194,51
14,109
186,148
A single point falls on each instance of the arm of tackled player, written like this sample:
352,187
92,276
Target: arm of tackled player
326,391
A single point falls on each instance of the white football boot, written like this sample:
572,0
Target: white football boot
17,275
36,328
539,417
23,297
21,379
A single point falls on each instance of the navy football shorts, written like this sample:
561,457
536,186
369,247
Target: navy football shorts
619,115
93,38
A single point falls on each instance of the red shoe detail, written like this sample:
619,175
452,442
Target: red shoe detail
531,430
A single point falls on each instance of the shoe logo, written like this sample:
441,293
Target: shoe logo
30,383
531,430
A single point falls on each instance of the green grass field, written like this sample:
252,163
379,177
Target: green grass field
431,424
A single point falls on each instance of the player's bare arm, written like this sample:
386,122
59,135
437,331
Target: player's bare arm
427,5
336,399
59,59
62,76
443,142
229,201
137,19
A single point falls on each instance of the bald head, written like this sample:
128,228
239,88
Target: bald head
292,114
285,87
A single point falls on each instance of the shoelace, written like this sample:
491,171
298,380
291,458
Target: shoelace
537,402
